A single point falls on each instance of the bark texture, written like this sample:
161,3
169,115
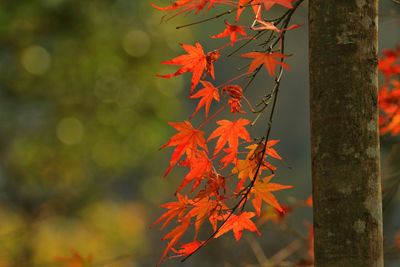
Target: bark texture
344,133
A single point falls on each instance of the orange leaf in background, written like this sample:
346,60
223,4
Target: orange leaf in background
389,104
175,209
207,94
262,192
75,260
200,166
174,235
389,64
232,31
237,223
273,215
194,61
187,140
269,60
188,248
230,132
309,201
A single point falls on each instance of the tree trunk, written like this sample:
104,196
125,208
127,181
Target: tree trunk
344,133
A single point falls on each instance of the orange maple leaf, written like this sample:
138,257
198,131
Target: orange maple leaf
389,105
230,132
230,157
175,209
174,235
206,208
269,60
200,166
237,223
186,6
232,31
247,167
262,192
187,140
188,248
174,6
207,94
194,61
268,4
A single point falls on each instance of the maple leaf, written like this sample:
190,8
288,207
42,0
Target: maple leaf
176,5
262,192
215,183
188,248
230,157
194,61
232,31
273,215
269,60
389,104
187,140
200,167
247,167
389,64
174,235
204,208
207,95
175,209
237,223
186,6
268,4
234,91
230,132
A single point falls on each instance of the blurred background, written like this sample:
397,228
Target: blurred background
82,116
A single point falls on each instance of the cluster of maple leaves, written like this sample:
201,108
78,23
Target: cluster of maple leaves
211,192
389,93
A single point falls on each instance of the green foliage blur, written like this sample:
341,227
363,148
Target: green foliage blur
81,112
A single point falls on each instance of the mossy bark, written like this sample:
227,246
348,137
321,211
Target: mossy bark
344,133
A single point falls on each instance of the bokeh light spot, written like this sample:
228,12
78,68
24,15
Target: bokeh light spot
36,60
136,43
70,131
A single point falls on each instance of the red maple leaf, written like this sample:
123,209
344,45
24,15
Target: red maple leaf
262,192
269,60
175,209
186,6
389,64
188,248
232,31
247,168
268,4
200,167
205,208
187,140
230,132
194,61
207,95
174,235
237,223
